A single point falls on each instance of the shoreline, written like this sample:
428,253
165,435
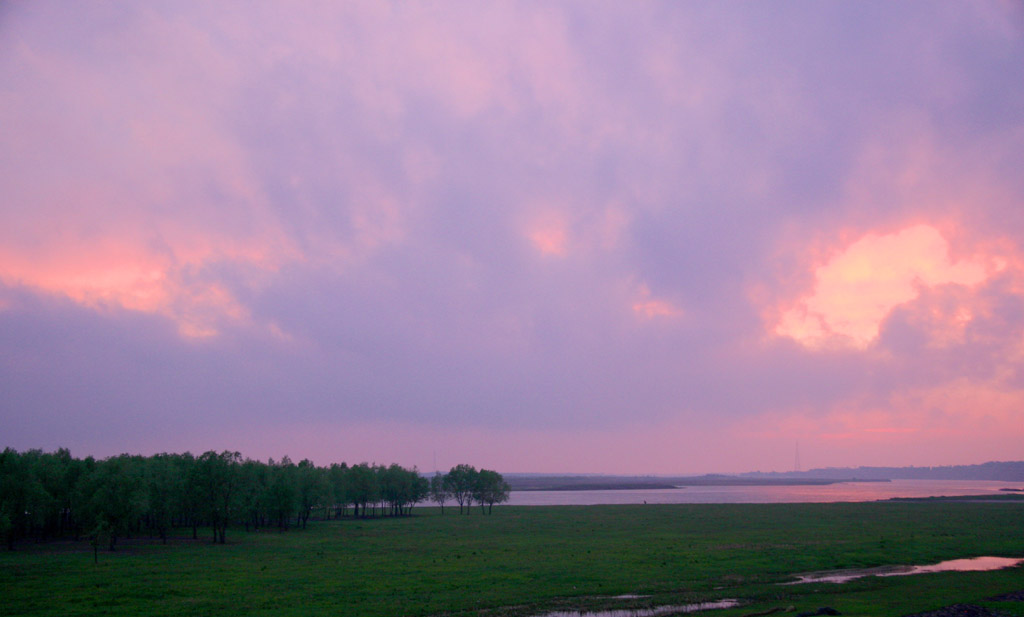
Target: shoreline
586,484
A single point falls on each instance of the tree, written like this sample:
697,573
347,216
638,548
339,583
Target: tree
191,504
99,535
490,488
54,475
438,490
420,488
252,493
281,493
364,487
119,496
461,480
164,486
5,526
312,488
47,495
14,489
218,480
339,484
393,487
402,488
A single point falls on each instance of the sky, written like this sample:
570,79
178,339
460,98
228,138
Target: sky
620,237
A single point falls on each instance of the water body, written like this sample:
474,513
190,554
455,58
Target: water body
843,491
657,611
977,564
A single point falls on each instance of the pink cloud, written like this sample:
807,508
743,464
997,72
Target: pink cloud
653,308
107,275
857,288
549,235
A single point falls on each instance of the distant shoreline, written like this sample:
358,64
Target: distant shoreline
612,486
1009,495
588,484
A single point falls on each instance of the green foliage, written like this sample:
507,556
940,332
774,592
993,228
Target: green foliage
363,486
216,478
439,492
118,496
460,482
5,523
490,488
46,496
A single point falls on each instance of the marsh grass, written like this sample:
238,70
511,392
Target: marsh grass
526,560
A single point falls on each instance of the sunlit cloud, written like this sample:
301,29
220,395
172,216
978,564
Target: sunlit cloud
580,229
549,235
858,288
648,307
117,275
656,308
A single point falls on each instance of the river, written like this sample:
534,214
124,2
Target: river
843,491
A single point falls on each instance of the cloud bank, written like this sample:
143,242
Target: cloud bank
646,238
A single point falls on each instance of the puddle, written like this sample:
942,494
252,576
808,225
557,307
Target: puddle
977,564
658,611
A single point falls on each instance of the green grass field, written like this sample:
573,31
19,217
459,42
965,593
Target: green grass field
528,560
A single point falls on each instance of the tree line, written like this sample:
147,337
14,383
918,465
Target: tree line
52,495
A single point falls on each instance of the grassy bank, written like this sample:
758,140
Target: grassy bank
525,560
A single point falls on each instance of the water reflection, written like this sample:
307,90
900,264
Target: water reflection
846,491
976,564
658,611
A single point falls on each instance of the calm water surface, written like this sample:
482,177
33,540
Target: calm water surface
846,491
976,564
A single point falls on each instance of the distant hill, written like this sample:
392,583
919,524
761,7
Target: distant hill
998,471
